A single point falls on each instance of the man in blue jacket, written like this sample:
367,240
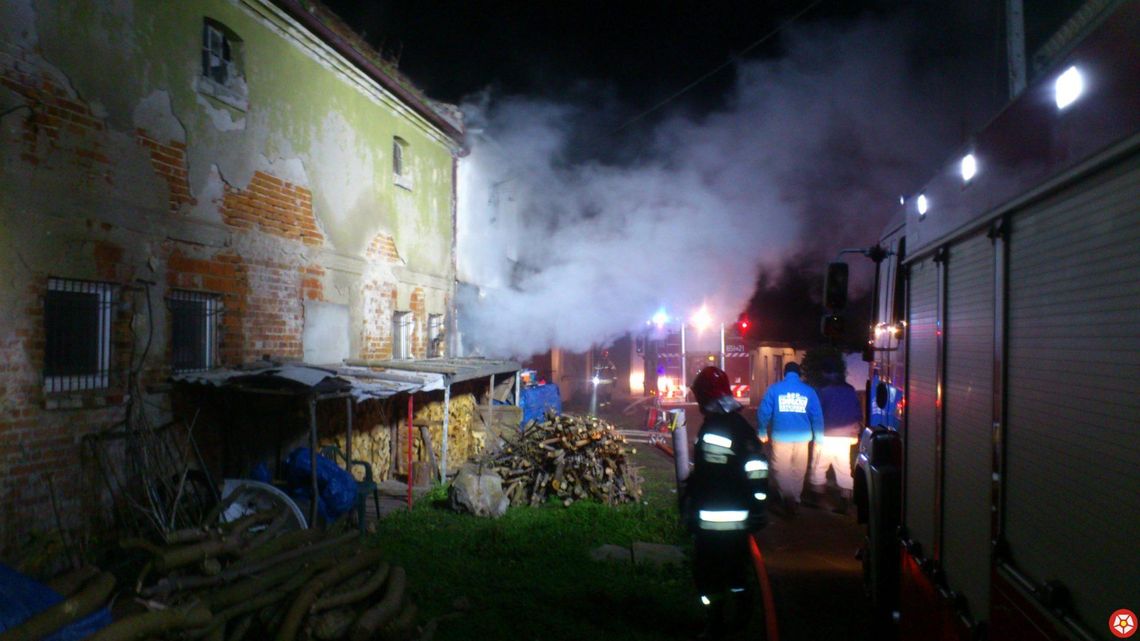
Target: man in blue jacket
842,423
791,417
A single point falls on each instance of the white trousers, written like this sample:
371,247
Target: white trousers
833,451
788,465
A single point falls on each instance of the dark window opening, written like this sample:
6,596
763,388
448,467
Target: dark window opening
193,334
222,65
77,328
217,56
398,156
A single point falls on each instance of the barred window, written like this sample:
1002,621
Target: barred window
402,323
77,328
193,330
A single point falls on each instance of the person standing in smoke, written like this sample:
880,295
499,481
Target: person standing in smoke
791,417
842,423
723,499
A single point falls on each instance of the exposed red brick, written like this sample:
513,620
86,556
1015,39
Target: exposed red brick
272,206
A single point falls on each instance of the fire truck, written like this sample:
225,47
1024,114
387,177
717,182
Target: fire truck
673,356
999,475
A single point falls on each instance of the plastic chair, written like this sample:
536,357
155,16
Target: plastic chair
363,488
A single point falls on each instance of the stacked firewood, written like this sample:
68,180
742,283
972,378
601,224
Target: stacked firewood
462,443
570,458
249,580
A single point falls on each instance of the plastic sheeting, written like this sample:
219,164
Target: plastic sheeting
22,597
536,400
336,488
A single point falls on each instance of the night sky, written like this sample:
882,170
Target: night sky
608,67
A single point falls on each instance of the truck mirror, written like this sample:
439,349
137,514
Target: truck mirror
832,326
881,395
835,287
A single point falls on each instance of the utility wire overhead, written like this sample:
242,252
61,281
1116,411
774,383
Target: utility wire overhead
718,68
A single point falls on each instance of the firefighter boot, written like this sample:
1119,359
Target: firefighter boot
815,496
843,504
741,611
714,621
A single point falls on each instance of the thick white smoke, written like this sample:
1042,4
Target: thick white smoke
809,155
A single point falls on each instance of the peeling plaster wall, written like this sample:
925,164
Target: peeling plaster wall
116,167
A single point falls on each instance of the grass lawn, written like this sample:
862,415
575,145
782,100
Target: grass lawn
529,576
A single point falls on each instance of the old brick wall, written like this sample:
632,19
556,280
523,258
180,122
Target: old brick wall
119,204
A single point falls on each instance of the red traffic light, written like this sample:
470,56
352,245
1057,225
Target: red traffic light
743,325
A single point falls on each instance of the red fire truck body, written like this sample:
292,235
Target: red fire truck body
999,474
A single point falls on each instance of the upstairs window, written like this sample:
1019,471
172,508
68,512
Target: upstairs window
193,330
402,335
401,173
77,328
221,65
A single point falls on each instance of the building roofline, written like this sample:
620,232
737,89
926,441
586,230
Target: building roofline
296,10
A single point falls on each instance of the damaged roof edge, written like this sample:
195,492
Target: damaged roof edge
299,13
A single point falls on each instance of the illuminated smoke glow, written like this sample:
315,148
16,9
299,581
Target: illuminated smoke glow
809,155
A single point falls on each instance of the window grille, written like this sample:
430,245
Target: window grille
77,328
402,323
435,336
193,330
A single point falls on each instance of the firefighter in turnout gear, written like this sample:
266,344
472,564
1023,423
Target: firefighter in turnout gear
723,500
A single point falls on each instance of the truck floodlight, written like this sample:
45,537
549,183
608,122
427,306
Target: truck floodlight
705,600
701,318
1068,87
660,318
760,496
923,205
596,381
969,167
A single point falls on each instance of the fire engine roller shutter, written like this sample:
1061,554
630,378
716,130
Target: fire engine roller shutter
968,414
922,357
1072,440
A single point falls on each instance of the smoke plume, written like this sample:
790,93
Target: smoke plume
808,155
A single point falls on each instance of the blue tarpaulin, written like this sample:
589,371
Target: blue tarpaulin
22,597
537,399
336,487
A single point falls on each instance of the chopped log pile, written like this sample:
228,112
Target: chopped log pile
249,580
570,458
463,442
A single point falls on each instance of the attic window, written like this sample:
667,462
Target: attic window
222,65
401,173
77,328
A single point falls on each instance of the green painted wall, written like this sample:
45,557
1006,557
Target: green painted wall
305,123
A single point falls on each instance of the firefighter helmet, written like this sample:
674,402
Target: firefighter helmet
711,384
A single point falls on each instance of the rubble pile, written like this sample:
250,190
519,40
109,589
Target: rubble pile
567,457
